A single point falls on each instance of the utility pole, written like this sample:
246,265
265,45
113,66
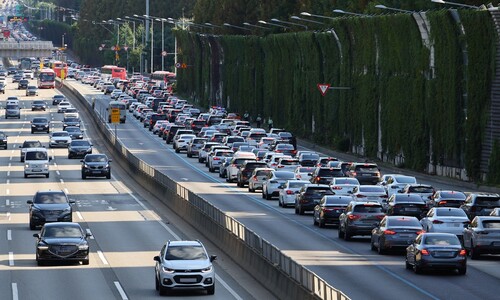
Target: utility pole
147,36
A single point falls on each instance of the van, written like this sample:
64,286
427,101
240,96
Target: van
12,109
36,162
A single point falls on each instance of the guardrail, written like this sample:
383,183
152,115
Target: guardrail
278,272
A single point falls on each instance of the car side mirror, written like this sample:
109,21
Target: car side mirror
37,235
71,201
50,158
110,160
213,257
29,202
157,258
81,160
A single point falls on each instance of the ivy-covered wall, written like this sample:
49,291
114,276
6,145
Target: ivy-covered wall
399,105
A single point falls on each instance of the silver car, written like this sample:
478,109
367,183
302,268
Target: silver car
59,139
288,191
215,160
482,236
446,220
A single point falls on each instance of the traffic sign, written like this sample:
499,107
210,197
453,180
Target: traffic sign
115,115
125,48
113,48
100,48
323,88
184,66
178,65
164,53
103,45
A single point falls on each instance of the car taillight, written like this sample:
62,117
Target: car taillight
289,192
462,252
425,252
327,209
437,222
234,165
420,232
442,202
354,217
380,217
360,196
298,176
336,188
254,178
318,179
278,151
354,173
281,166
216,158
389,232
377,174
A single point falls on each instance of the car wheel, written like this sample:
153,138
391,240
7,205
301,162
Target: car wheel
211,289
84,176
108,176
164,291
347,236
280,204
474,252
417,269
321,223
268,196
340,233
177,150
32,226
301,210
315,223
462,271
47,175
40,262
32,131
85,262
250,190
380,250
407,264
211,170
25,175
157,283
189,155
372,246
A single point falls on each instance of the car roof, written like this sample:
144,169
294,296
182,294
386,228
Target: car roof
184,243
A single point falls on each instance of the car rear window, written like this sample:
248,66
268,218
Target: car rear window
441,240
367,169
450,213
296,184
285,147
488,201
368,208
285,175
337,201
318,190
493,224
330,173
346,181
403,222
310,157
371,189
263,172
289,162
453,195
421,189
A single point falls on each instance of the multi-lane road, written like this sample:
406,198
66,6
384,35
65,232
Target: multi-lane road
349,266
129,226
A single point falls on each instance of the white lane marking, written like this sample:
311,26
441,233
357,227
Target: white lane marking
185,179
11,259
8,173
58,173
101,256
66,191
8,215
162,224
90,232
10,158
7,202
79,215
120,290
8,181
7,191
61,180
15,141
12,151
9,235
15,293
55,164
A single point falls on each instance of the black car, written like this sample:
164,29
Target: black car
365,173
31,90
329,209
2,88
49,206
38,105
23,84
309,196
407,205
308,159
17,78
56,99
395,232
246,171
41,124
11,71
96,165
3,140
359,218
79,148
324,175
74,132
480,204
63,241
71,121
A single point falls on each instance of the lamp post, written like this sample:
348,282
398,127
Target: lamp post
273,24
313,15
339,11
254,26
289,23
234,26
456,4
62,44
380,6
305,20
162,20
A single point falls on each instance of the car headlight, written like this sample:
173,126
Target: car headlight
45,165
67,209
83,247
168,270
33,125
26,165
86,166
42,247
206,269
106,166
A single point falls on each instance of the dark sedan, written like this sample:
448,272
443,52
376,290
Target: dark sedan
395,232
3,140
38,105
49,206
79,148
23,84
2,88
74,132
70,121
436,251
329,209
62,242
40,125
96,165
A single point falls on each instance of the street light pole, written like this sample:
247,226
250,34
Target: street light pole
380,6
162,42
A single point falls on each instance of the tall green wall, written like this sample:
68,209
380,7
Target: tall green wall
423,114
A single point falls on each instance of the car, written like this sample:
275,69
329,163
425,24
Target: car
344,185
395,233
38,105
329,209
304,173
31,90
3,140
11,70
288,191
424,190
495,212
74,132
395,182
194,146
406,205
181,143
12,110
96,165
287,163
365,173
29,144
370,193
223,166
49,206
17,78
62,106
245,171
445,219
482,236
448,199
36,162
308,159
2,88
56,99
270,187
431,251
286,149
70,121
62,242
184,265
480,204
22,84
215,158
79,148
59,139
309,196
40,124
359,218
236,162
324,175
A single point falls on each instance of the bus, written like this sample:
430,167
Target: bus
162,76
110,71
46,79
58,66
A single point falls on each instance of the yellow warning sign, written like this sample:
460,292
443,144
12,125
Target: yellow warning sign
115,115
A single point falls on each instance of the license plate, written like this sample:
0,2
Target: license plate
187,280
51,219
95,172
37,170
443,254
455,225
411,209
406,235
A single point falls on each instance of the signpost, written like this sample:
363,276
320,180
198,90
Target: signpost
324,87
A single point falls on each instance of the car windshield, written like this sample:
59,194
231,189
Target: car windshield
331,201
62,232
402,222
50,198
441,240
40,120
368,208
492,224
318,190
450,213
330,173
80,143
36,155
346,181
60,134
185,253
95,158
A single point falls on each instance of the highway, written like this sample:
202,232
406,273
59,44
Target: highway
348,266
129,226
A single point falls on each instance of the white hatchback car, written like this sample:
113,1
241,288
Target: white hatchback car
273,181
289,191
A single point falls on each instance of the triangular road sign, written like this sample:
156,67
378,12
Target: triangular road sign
323,88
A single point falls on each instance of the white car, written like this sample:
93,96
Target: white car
59,139
304,173
215,160
259,175
289,191
445,220
273,161
181,143
344,185
235,164
274,180
395,182
370,193
63,105
287,163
